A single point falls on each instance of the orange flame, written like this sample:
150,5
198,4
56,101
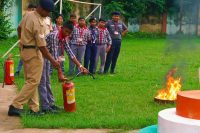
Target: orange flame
173,86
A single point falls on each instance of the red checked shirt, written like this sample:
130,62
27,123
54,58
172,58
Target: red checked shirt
103,36
80,36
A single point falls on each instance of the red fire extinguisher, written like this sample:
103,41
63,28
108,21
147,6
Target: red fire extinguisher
9,71
69,97
69,94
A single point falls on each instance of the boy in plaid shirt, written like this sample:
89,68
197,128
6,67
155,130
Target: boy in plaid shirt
103,45
55,40
57,27
79,39
59,23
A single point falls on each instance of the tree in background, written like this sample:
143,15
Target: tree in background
135,8
183,12
5,24
67,8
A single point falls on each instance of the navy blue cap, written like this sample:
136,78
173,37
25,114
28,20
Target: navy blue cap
47,5
116,13
102,19
92,19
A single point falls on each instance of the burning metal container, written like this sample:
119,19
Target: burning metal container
169,93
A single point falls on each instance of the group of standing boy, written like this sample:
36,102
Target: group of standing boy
100,40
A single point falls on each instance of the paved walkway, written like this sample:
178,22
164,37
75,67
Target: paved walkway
12,124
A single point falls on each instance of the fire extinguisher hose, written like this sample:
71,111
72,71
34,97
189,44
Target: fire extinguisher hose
80,74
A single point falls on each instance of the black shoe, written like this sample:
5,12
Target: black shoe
100,73
36,113
49,111
14,111
112,72
54,107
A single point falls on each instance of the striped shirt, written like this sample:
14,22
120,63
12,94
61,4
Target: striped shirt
103,37
56,28
54,45
80,36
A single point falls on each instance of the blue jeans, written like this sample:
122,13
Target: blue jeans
112,56
90,56
20,64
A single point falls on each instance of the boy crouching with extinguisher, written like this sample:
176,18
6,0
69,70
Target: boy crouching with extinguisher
56,40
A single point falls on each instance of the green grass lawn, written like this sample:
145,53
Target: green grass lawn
124,100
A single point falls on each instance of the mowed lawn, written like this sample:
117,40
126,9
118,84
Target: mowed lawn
124,100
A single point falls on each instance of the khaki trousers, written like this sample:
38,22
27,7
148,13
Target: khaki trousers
29,93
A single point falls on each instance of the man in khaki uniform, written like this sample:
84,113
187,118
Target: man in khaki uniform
31,33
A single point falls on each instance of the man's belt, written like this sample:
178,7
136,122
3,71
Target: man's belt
28,47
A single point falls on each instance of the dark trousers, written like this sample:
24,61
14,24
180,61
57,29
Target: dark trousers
90,56
112,56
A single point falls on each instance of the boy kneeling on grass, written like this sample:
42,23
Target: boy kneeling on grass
54,41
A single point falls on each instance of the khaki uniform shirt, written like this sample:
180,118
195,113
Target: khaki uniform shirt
33,29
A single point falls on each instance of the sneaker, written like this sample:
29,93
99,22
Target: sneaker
14,111
49,111
54,107
39,113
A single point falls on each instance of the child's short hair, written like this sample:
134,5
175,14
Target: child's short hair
81,18
102,20
72,16
31,6
92,19
69,25
59,15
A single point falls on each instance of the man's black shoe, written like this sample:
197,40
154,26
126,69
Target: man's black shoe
14,111
105,72
49,111
54,107
112,72
36,113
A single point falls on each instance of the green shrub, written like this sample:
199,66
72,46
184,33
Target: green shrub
5,25
146,35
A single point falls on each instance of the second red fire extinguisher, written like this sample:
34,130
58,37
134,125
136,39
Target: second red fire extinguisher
9,71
